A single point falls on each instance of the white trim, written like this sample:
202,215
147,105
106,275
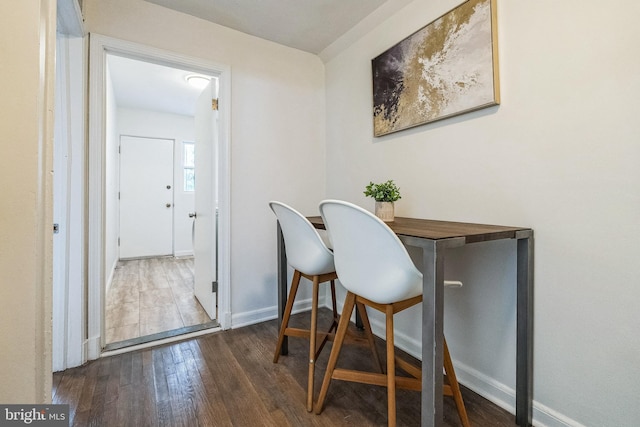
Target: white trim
492,390
95,271
247,318
224,198
99,46
505,397
264,314
183,254
62,148
498,393
547,417
91,346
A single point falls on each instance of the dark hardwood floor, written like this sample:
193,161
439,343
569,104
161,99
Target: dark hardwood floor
228,379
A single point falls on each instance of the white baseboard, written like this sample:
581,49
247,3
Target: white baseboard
247,318
239,320
225,321
492,390
91,348
543,416
487,387
179,254
505,397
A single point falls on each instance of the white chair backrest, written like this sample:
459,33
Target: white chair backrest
306,252
370,259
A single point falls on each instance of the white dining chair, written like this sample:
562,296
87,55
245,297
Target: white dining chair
376,270
310,258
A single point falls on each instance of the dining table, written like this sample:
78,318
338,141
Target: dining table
433,238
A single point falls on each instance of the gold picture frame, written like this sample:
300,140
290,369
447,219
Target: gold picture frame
448,67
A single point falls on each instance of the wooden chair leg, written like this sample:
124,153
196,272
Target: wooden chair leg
335,351
313,331
391,369
367,330
455,387
287,312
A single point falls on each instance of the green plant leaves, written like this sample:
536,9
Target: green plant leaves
384,192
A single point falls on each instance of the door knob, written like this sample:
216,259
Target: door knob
192,215
168,205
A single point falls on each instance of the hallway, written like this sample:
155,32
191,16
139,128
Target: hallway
149,296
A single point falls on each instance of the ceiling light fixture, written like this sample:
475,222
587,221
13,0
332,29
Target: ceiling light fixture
197,81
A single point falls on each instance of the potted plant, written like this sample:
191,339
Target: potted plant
385,194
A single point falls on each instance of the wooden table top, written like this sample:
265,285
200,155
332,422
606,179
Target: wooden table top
436,230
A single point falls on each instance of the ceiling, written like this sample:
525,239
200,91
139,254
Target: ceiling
146,86
308,25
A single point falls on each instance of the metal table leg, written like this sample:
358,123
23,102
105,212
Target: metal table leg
282,286
524,340
432,334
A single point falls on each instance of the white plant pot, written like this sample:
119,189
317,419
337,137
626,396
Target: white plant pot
385,211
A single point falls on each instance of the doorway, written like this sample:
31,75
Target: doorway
152,289
118,264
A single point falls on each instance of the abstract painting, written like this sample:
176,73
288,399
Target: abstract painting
448,67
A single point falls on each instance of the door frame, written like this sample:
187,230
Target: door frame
99,47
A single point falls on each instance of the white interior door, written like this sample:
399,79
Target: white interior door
146,197
205,222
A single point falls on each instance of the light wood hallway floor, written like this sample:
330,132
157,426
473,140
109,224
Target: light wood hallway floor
152,295
228,379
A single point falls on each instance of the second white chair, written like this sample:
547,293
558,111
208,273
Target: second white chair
310,258
375,268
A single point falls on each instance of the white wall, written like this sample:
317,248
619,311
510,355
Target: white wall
561,155
277,131
27,79
179,128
